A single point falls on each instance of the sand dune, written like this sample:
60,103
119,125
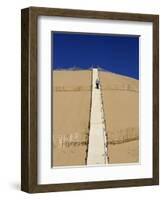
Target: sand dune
71,110
121,107
71,115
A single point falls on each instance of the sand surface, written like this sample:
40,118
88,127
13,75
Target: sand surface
121,108
71,113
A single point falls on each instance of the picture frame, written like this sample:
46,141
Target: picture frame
29,99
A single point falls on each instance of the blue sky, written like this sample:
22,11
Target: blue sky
115,53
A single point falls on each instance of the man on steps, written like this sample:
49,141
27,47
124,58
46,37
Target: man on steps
97,83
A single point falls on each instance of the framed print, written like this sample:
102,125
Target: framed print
90,99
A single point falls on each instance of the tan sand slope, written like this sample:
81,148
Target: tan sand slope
121,108
71,113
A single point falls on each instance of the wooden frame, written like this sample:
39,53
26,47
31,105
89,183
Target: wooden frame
29,99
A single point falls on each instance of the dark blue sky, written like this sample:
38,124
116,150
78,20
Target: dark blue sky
115,53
